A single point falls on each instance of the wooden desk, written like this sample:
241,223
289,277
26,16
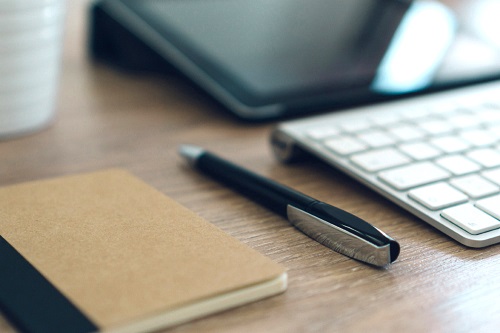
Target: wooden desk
111,119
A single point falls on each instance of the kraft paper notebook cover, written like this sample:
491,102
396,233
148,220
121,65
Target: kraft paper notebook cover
106,252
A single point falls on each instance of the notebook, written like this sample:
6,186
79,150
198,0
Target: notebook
106,252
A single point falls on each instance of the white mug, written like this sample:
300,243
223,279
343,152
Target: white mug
31,36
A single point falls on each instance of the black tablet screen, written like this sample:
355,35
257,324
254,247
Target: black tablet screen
299,51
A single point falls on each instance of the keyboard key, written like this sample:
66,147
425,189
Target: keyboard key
416,113
419,150
406,132
457,165
494,129
345,145
478,138
463,120
490,206
450,144
493,175
474,186
434,127
406,177
471,219
386,118
321,133
486,157
444,108
355,125
437,196
377,160
376,138
489,115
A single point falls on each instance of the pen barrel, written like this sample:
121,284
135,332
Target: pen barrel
264,191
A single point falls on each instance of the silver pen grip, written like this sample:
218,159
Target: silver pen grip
338,239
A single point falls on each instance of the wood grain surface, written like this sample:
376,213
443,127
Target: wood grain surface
107,118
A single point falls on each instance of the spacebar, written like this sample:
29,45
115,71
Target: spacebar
410,176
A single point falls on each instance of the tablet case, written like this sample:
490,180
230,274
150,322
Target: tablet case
112,42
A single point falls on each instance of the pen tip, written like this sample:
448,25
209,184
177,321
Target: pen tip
190,152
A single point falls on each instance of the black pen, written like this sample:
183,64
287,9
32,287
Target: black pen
328,225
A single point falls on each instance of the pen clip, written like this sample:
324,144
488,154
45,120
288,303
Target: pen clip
341,240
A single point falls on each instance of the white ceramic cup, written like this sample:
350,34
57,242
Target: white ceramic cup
31,36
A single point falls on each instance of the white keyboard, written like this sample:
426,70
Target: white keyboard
437,156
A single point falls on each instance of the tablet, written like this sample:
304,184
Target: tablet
266,59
